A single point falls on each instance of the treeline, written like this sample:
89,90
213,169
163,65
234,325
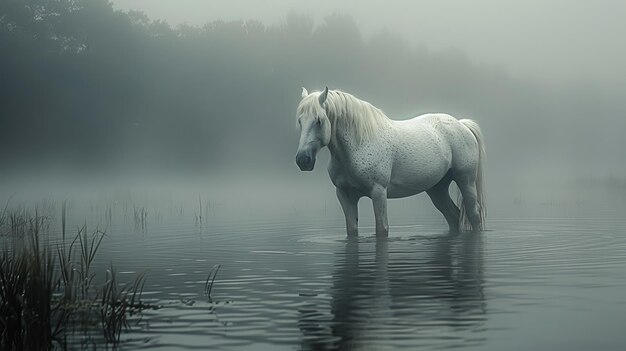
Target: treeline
82,84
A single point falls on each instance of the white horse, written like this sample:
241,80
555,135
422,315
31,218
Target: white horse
374,156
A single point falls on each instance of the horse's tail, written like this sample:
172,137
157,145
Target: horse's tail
475,129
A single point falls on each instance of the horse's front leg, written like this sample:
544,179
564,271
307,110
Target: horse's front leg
379,201
349,204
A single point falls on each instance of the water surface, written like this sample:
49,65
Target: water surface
548,274
531,283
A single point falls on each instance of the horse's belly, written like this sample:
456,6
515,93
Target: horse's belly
405,186
397,191
418,165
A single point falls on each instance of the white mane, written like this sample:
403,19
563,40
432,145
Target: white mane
346,112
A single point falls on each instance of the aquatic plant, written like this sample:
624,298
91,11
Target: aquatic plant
117,303
199,215
141,218
208,285
30,317
43,294
88,248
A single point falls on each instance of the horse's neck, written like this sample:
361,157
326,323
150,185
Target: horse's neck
343,143
341,146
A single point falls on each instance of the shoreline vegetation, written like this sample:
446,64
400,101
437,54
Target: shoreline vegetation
47,288
51,296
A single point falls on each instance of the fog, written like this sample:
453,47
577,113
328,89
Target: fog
167,131
201,88
560,42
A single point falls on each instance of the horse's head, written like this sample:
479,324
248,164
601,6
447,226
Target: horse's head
315,128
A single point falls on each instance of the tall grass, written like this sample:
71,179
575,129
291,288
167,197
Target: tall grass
42,293
117,302
30,318
87,252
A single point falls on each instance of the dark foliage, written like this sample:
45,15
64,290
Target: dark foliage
84,85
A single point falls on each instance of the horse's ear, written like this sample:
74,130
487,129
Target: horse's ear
304,92
323,96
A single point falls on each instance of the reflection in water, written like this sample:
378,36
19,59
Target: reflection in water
549,283
430,293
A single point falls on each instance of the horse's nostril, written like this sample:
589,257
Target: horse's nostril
305,162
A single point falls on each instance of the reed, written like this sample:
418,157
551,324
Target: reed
88,247
141,218
43,294
117,303
200,212
208,285
30,317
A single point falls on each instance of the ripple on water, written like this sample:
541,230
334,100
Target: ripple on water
284,285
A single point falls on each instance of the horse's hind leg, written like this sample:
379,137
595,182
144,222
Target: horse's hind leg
467,185
441,199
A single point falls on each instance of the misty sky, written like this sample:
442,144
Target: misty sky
111,95
558,41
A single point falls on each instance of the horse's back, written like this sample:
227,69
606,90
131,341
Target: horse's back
445,134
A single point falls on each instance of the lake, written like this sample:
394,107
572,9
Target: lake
545,276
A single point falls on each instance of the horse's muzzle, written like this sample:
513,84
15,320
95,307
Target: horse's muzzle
305,162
